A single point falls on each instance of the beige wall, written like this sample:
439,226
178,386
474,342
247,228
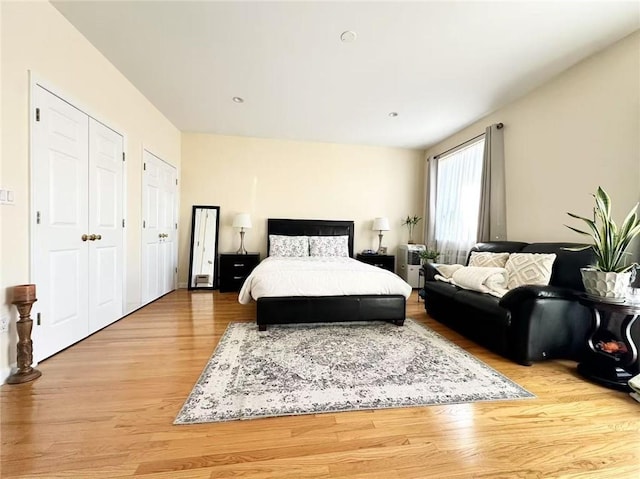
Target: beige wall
566,138
34,36
288,179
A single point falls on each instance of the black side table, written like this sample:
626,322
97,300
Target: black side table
384,261
234,269
611,350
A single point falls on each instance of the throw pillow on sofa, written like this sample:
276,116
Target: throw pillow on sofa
529,268
486,259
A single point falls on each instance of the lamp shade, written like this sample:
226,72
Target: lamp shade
242,220
381,224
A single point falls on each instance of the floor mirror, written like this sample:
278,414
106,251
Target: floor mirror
203,260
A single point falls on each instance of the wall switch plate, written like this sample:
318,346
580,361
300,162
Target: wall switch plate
4,324
6,197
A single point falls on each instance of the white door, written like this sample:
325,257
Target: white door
159,258
168,225
77,241
60,205
105,225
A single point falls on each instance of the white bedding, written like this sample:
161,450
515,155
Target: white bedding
489,280
319,276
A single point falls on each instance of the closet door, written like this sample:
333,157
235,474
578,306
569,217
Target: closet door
159,258
77,249
150,228
106,250
60,257
167,226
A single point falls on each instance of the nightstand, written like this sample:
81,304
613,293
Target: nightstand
234,269
384,261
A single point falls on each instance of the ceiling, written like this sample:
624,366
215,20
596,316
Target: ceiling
439,65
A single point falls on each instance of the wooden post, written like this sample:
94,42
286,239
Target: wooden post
24,296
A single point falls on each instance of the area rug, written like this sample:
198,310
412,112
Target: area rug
329,367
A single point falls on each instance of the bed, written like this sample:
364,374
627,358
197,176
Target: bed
314,308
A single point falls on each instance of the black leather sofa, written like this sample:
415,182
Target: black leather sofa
529,323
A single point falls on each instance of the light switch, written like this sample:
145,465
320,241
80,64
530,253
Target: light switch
6,197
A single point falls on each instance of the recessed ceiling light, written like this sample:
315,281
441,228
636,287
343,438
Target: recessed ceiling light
393,114
348,36
237,99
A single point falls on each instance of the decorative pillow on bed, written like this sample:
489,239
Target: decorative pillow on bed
280,245
329,246
486,259
529,268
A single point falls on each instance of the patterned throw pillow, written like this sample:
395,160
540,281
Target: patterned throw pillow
329,246
529,268
289,246
485,259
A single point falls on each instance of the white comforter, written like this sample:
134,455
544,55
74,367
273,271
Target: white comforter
484,280
317,276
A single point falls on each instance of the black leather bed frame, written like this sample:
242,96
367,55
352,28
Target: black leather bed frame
319,309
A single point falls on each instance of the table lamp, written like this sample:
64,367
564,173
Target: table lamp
380,225
242,221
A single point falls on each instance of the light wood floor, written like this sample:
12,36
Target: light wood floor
104,409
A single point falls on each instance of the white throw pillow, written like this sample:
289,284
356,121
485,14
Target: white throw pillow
486,259
529,268
329,246
288,246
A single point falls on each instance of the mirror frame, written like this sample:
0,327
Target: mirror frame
194,209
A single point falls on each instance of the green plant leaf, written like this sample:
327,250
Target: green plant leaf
603,202
630,222
581,248
590,223
578,231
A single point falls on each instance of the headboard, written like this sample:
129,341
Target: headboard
293,227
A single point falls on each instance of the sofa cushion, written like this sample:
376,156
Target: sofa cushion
529,268
440,288
487,259
484,302
566,267
499,247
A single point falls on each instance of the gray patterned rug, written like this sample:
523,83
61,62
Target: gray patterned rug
316,368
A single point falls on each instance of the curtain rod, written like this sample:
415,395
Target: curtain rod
435,157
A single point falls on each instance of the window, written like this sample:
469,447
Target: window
457,205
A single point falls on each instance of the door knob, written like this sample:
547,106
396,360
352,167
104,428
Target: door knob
98,237
92,237
84,237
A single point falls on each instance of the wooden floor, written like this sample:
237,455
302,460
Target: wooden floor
104,409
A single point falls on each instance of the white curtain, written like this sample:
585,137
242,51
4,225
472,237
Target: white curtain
457,201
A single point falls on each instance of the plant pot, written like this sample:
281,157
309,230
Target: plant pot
605,284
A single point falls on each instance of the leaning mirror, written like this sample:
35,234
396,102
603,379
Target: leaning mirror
203,260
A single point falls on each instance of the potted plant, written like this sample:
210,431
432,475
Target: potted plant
429,255
610,276
410,222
